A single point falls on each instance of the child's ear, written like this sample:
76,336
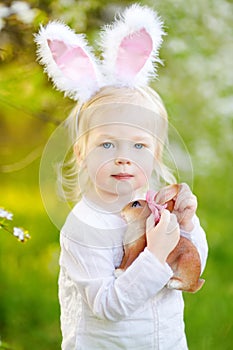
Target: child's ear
157,157
78,154
158,151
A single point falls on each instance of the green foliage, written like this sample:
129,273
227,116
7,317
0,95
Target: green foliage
196,86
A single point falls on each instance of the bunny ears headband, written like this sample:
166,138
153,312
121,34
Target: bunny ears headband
129,48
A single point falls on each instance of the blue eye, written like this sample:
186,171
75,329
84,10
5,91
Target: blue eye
136,204
107,145
138,145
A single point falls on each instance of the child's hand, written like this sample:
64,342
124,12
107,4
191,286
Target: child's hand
162,238
185,207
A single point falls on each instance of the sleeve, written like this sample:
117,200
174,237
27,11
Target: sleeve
92,270
198,237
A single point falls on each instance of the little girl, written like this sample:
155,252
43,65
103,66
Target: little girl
119,131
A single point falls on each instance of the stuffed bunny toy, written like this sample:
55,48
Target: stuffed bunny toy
184,260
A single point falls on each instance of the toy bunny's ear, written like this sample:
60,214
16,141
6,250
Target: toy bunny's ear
167,193
130,46
68,61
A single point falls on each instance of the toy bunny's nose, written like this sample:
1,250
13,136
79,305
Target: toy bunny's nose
122,161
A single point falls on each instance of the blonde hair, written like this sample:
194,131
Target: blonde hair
70,175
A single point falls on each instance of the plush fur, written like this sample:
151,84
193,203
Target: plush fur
132,20
75,87
130,50
184,260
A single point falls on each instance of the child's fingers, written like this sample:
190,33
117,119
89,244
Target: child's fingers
150,222
163,222
186,202
173,224
164,219
163,238
185,199
182,194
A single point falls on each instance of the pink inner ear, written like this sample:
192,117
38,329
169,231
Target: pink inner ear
72,61
133,53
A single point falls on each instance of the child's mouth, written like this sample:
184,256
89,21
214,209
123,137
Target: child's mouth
122,176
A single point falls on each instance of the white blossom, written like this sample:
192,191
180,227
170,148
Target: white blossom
4,11
20,234
5,214
23,11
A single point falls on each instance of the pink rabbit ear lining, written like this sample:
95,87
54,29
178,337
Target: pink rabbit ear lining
73,61
133,53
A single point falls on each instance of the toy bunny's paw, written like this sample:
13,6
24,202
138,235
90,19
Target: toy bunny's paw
118,272
191,287
175,283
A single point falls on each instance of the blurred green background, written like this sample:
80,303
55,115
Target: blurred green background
196,85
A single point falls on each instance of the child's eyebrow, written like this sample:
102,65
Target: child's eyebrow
136,138
141,138
106,136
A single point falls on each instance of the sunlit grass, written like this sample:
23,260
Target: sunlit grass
28,296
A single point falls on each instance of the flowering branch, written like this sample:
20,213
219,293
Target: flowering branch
20,233
20,9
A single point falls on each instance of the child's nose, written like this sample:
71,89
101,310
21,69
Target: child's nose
122,161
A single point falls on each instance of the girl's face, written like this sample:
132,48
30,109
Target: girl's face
120,154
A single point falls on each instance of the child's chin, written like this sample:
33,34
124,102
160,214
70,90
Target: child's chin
124,188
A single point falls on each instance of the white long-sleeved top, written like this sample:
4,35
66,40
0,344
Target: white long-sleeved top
99,311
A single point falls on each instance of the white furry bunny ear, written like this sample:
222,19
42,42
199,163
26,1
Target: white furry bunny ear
130,47
68,61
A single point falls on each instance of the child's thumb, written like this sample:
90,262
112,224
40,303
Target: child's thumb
173,224
164,219
150,222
